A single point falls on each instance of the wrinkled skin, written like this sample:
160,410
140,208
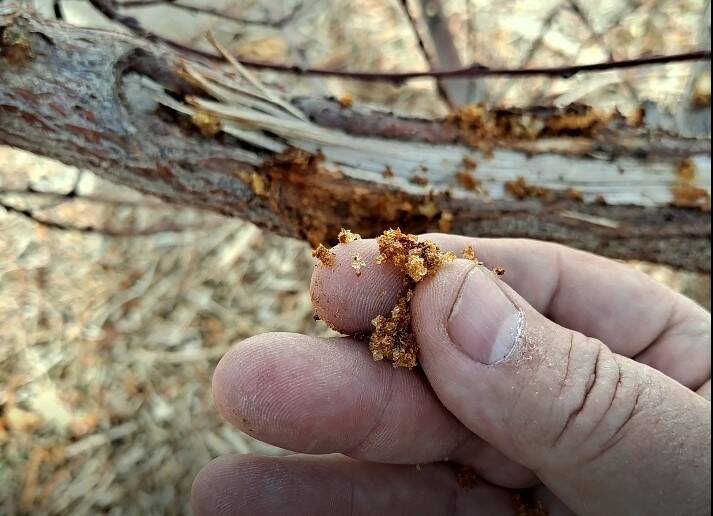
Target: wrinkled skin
600,404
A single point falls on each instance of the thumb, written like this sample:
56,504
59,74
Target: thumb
606,434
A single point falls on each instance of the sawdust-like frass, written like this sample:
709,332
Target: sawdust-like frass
392,338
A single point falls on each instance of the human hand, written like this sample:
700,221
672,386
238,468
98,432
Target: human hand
597,394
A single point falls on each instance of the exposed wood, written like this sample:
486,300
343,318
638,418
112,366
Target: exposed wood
91,99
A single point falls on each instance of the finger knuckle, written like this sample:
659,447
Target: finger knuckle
598,399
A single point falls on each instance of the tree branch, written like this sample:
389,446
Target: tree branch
138,114
473,71
413,23
445,50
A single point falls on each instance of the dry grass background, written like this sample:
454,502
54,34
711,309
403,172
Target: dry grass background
107,345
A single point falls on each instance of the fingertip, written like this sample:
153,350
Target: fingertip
300,484
239,375
299,392
207,488
237,484
351,292
223,384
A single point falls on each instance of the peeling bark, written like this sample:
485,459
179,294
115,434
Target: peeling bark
76,95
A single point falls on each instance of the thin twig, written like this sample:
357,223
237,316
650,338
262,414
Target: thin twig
280,22
704,40
475,92
254,82
599,39
106,231
627,10
60,197
446,53
530,53
426,55
475,71
57,7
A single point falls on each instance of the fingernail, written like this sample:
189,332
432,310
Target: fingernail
484,322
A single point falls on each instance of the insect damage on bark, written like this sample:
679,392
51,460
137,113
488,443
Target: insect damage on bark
93,121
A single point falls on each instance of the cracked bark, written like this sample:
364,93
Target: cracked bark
75,95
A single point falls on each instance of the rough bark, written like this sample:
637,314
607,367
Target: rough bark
76,95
